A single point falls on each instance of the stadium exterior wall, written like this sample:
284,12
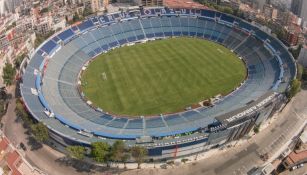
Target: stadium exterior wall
215,139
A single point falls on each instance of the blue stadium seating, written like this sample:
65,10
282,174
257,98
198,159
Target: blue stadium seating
154,123
227,18
135,124
49,47
208,13
85,25
66,35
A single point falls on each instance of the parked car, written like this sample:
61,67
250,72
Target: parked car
300,165
294,168
23,146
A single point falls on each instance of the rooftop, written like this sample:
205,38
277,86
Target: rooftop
190,4
4,144
12,161
294,157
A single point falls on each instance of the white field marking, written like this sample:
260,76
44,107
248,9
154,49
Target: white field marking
220,50
104,76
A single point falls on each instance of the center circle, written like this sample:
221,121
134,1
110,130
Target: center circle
161,77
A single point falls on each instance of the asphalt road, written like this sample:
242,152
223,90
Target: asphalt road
236,160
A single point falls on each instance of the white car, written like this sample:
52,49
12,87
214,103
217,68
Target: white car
293,168
300,165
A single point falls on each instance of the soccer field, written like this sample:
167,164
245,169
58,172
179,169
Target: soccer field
162,76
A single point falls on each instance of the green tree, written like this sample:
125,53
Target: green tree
117,151
100,151
304,74
227,10
125,158
23,114
2,108
44,10
8,74
256,128
296,52
139,154
40,132
300,70
76,152
294,88
76,17
281,33
3,94
87,12
19,109
19,60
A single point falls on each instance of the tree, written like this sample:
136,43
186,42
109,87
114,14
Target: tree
23,114
40,132
296,52
304,74
257,128
300,70
76,152
3,101
139,153
19,60
100,151
3,94
117,151
227,10
2,108
281,33
76,17
87,12
44,10
8,74
125,158
294,88
19,109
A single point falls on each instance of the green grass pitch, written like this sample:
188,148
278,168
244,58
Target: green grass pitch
162,76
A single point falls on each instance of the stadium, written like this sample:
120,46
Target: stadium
59,80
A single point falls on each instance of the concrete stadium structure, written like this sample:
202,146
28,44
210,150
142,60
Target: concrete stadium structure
49,84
